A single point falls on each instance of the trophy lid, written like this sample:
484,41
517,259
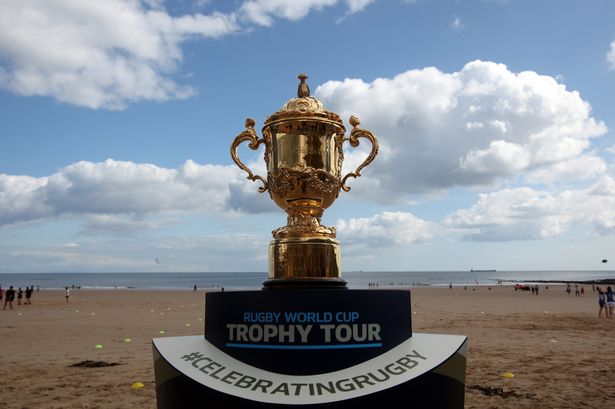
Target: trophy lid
304,107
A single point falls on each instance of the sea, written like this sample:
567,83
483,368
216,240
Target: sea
254,280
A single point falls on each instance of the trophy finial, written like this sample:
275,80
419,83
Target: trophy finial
303,90
249,124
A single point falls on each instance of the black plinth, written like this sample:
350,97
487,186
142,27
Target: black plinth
321,348
307,331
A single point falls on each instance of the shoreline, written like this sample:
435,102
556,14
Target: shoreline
605,281
381,285
356,280
375,285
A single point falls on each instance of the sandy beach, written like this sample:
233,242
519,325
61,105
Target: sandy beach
560,352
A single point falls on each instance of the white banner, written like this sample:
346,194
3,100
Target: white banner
198,359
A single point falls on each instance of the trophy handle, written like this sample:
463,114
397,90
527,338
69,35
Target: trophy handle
248,135
355,134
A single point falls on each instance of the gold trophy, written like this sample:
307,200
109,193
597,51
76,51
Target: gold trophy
304,155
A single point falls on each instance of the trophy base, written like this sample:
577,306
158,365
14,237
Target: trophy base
310,349
304,283
304,262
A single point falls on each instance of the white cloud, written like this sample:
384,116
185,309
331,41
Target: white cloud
525,213
582,168
509,214
467,128
610,56
386,228
98,54
357,5
97,224
501,156
456,24
474,125
263,12
108,54
112,188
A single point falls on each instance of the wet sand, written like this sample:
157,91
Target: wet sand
560,352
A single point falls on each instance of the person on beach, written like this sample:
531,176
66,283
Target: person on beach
67,294
9,296
1,294
602,303
29,295
19,296
610,302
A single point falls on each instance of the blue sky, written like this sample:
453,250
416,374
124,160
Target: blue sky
494,120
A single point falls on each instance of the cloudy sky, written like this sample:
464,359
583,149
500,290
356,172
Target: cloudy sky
494,118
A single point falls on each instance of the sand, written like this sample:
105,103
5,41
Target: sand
560,352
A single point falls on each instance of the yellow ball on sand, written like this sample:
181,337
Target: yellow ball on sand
98,346
162,332
127,340
137,385
187,324
508,375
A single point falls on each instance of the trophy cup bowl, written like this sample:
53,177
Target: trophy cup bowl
304,156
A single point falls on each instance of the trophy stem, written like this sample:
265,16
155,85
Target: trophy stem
304,262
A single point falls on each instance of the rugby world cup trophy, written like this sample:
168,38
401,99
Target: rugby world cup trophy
305,338
303,153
